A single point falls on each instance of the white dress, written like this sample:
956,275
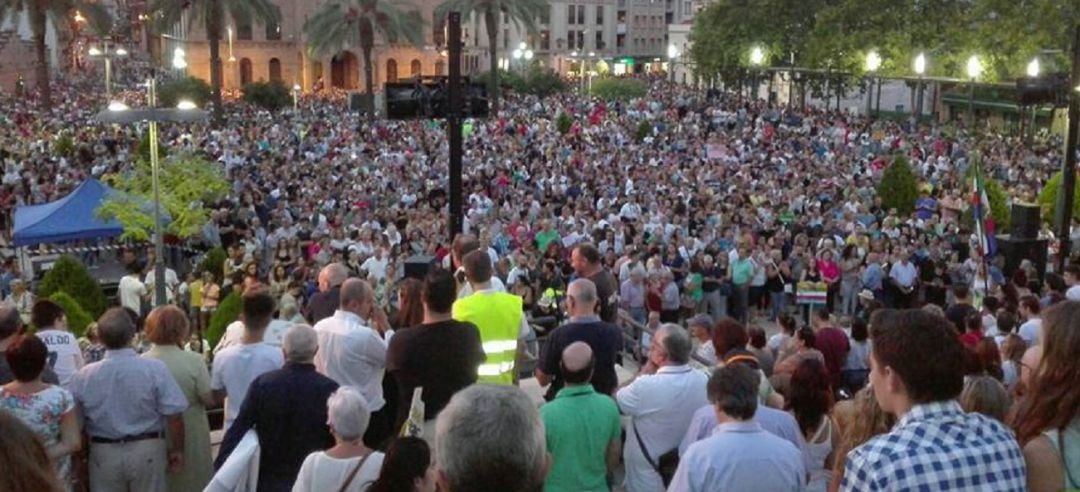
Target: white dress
321,472
818,448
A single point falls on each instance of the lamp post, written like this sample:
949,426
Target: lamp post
673,54
974,69
179,61
522,53
107,53
873,62
296,97
120,113
920,70
757,57
1033,71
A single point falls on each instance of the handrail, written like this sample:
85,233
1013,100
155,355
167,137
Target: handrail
625,319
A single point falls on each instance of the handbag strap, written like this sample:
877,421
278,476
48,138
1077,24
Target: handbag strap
355,470
644,451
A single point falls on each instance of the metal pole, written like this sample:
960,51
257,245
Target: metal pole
159,239
453,122
971,105
1068,173
108,74
877,103
869,96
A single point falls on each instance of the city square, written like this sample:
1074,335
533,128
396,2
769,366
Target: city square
523,245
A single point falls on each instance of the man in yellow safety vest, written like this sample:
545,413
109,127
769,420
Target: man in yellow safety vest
499,317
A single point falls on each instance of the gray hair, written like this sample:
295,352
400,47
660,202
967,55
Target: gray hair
491,438
9,321
336,273
677,343
733,389
702,320
300,343
348,413
116,328
582,290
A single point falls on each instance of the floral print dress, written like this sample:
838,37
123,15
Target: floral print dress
41,412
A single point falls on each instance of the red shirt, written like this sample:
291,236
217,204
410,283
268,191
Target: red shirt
971,339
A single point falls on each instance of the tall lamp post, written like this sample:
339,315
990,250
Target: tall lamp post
974,69
1068,172
522,52
1033,70
873,62
920,70
120,113
107,53
296,97
672,54
757,58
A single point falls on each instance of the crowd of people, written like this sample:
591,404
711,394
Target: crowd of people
680,248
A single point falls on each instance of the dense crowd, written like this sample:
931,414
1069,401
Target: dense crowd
900,351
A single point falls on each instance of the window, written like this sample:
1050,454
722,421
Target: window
620,41
391,70
687,8
545,40
621,17
245,71
273,31
415,68
581,14
243,31
438,33
570,17
440,68
545,16
581,39
599,15
571,40
275,70
599,40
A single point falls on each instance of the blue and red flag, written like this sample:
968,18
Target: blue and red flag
984,219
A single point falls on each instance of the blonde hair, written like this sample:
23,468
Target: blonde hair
866,420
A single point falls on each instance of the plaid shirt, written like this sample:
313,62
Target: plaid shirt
936,446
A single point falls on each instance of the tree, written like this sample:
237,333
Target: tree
61,12
271,95
898,187
564,123
227,312
520,12
214,262
342,24
1048,198
192,89
212,15
619,89
77,317
186,183
68,275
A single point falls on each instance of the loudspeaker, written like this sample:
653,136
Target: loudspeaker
356,101
1025,221
418,266
1015,250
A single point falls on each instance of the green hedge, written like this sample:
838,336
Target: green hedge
644,129
899,188
227,312
1048,198
268,95
214,262
563,123
188,88
619,89
77,317
70,276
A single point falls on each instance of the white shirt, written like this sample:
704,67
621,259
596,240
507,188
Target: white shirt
375,267
236,367
171,281
352,354
466,290
661,407
131,291
1031,331
1073,294
234,333
65,358
322,472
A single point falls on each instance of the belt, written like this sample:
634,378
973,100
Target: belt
127,439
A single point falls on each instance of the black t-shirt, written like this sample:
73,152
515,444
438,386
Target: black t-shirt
958,314
441,357
606,291
605,339
713,272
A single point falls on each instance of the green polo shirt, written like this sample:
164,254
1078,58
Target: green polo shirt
742,271
544,238
579,424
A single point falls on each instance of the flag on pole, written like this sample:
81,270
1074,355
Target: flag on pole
984,219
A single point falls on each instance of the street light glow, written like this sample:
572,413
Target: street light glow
186,105
573,53
518,54
757,56
121,52
974,67
522,46
117,106
528,54
296,87
672,51
592,54
179,63
873,61
1033,68
93,51
920,64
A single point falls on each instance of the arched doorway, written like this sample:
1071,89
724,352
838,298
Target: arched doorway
440,68
245,71
275,70
391,70
344,71
317,73
415,68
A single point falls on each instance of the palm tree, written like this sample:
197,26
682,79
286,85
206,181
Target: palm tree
212,14
339,25
62,12
521,12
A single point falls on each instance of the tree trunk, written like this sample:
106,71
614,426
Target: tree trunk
367,42
213,37
490,18
37,25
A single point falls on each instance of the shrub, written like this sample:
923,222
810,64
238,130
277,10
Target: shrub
187,88
77,317
64,145
563,123
541,82
227,312
644,129
268,95
214,261
143,150
1048,198
68,275
899,188
619,89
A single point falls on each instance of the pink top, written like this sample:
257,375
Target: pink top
829,270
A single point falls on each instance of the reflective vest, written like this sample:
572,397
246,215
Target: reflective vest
498,316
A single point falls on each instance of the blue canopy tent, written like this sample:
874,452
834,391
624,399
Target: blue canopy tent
71,218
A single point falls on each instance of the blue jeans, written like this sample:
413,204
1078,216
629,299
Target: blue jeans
776,304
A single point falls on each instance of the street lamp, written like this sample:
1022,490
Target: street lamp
757,57
185,112
920,70
179,60
974,69
873,62
1033,68
106,53
672,54
296,97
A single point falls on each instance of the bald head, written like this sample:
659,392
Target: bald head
577,363
331,276
355,295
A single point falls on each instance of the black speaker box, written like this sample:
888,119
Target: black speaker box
1025,221
356,101
418,266
1015,250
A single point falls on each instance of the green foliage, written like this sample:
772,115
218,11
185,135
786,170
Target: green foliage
214,262
188,88
999,205
1048,198
187,183
64,145
271,95
68,275
563,123
143,150
77,317
619,89
644,130
227,312
898,187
